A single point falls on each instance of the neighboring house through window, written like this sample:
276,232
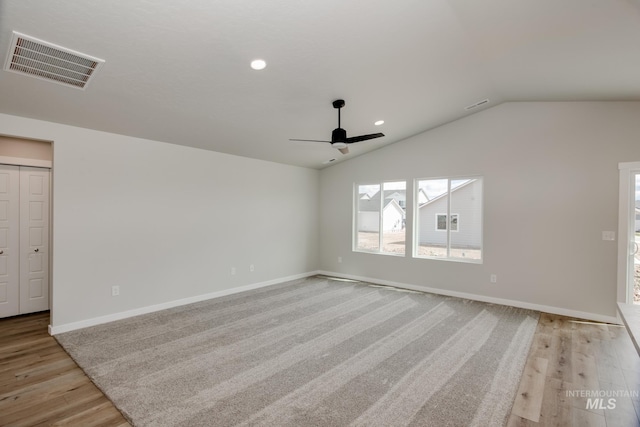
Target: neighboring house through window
441,222
380,218
447,218
439,232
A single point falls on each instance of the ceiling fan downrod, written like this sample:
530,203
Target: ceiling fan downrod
339,135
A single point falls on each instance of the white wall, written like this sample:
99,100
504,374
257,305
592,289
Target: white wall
550,188
166,222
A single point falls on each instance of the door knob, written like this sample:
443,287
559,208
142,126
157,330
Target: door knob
37,250
1,252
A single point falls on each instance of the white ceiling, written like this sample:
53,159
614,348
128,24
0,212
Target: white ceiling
179,71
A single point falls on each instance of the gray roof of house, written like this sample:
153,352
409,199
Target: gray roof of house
445,194
373,204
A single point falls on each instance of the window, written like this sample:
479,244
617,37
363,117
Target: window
441,222
380,218
454,222
448,217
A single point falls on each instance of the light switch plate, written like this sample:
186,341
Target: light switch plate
609,235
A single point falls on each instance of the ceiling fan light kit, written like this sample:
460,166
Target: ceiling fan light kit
339,137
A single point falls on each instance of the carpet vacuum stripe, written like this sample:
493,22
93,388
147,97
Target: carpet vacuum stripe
294,355
164,355
187,364
307,397
148,329
404,400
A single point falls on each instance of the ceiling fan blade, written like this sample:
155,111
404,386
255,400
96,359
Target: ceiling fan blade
308,140
363,137
344,150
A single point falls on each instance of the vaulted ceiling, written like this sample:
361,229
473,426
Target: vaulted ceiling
179,72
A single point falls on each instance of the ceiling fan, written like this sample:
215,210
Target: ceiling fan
339,138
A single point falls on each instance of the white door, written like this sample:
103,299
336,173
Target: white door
9,241
34,239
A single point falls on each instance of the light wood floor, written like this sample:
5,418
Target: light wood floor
39,383
570,360
41,386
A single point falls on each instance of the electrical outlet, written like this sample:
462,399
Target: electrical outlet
251,268
115,291
339,260
233,271
494,278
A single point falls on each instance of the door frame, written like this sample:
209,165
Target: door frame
20,161
626,222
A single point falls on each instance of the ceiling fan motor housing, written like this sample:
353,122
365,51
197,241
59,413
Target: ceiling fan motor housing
338,135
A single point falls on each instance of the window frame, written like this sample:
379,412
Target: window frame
355,226
415,243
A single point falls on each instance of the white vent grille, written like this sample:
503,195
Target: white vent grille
47,61
477,104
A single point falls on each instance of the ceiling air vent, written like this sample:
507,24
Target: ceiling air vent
47,61
477,104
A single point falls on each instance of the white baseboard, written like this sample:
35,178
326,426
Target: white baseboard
520,304
54,330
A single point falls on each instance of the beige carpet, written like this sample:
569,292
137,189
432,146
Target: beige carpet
312,352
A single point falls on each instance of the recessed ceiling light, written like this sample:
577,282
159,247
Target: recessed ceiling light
326,162
379,122
258,64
